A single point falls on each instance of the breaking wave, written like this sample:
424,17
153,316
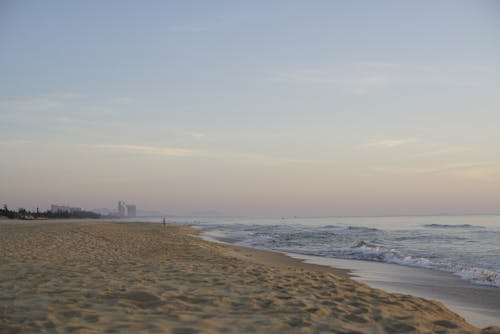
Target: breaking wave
369,252
452,226
466,250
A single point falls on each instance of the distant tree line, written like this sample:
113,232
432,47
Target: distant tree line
26,214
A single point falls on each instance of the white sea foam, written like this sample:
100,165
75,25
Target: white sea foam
460,246
472,274
452,226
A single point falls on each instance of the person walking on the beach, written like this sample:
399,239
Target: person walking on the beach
164,223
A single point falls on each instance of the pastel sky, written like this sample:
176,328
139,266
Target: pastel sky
252,107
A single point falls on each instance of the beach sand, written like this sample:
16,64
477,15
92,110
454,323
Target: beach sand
478,304
103,277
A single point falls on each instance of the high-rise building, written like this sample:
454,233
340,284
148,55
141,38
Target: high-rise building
122,209
126,210
131,210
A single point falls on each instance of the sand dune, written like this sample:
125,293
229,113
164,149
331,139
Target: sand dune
97,277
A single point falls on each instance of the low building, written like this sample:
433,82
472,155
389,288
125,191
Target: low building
54,208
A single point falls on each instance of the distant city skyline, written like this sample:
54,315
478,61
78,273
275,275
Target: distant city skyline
259,108
126,210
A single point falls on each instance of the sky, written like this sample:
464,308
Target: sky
255,108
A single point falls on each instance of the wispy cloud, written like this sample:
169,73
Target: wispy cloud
15,142
151,150
40,102
239,158
122,100
477,173
446,151
465,170
33,103
190,28
361,77
47,109
195,134
325,77
259,160
389,143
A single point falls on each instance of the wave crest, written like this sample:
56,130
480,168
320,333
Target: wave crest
367,252
452,226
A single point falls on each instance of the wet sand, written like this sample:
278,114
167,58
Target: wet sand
102,277
478,304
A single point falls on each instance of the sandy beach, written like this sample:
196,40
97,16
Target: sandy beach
104,277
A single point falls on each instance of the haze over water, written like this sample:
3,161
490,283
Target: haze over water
263,108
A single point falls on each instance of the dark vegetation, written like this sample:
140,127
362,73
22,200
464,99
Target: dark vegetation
25,214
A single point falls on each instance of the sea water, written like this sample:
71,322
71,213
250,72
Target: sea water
467,246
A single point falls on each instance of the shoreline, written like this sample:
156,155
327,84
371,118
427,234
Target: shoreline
478,304
94,276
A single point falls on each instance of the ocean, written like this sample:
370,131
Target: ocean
466,246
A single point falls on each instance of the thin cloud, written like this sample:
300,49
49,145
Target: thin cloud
33,103
323,77
260,160
228,157
15,142
360,77
479,173
190,28
447,151
63,95
389,143
477,170
195,134
122,100
40,102
151,150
